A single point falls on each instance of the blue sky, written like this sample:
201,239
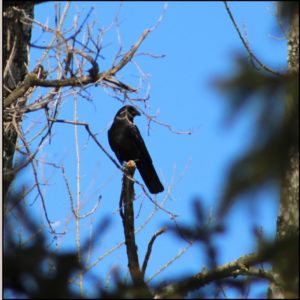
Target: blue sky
199,43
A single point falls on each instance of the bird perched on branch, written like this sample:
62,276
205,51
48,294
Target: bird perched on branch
127,143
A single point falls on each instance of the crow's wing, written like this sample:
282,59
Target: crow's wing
144,162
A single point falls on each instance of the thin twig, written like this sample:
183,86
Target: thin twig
149,249
251,54
177,256
36,179
10,59
78,194
116,21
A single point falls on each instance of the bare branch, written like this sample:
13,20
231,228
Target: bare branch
150,245
10,60
32,80
36,181
241,266
120,244
168,126
127,215
128,56
251,54
78,198
172,260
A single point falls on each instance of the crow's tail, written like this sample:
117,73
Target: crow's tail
150,177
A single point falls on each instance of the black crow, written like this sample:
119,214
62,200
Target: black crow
127,143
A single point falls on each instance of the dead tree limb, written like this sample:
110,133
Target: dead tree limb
127,215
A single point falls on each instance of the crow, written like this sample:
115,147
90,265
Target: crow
127,143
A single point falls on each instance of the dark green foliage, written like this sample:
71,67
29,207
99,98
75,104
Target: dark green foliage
276,131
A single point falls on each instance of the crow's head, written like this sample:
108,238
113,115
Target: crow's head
128,112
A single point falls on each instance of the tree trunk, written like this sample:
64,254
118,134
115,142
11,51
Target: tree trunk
16,39
286,265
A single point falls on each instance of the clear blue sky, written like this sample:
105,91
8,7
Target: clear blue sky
199,43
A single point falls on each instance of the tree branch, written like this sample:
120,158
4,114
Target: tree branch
32,80
127,215
148,253
241,266
128,56
251,54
